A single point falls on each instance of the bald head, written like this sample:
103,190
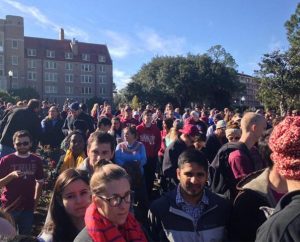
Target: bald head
250,119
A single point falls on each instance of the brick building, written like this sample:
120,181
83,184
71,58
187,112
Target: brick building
248,98
57,69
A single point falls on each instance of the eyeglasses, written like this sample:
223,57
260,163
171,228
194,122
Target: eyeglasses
25,143
116,200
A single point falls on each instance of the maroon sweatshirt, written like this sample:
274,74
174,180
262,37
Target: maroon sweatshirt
151,138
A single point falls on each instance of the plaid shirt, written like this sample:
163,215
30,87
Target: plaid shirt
193,210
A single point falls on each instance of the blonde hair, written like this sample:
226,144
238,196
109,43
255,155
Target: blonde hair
106,174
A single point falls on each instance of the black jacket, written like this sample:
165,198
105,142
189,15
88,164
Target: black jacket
70,120
52,133
284,223
170,162
168,222
20,119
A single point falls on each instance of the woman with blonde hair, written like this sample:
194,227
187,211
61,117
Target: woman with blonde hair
108,217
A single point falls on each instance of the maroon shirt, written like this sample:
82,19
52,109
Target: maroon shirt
126,122
240,164
23,187
151,138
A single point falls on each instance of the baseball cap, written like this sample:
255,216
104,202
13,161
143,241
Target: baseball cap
190,129
74,106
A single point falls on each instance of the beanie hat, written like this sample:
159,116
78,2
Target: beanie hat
285,145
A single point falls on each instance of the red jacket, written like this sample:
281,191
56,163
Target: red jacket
150,137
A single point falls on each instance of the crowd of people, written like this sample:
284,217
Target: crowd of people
149,174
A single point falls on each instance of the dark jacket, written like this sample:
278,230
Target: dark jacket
52,132
20,119
70,120
213,144
170,162
167,222
284,223
247,214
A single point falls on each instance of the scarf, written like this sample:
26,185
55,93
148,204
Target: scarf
70,162
101,229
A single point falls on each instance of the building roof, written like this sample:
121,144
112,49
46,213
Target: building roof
62,46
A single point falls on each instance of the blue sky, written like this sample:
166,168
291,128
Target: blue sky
137,30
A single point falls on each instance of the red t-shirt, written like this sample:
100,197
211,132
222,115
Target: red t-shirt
22,188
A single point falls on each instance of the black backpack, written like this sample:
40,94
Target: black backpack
221,177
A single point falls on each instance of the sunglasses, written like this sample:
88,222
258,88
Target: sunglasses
25,143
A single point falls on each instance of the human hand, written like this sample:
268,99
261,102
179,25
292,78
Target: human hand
17,174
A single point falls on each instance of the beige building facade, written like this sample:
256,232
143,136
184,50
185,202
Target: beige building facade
58,69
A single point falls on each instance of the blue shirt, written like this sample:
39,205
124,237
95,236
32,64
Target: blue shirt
127,153
195,211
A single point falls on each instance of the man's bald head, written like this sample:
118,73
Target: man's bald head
250,119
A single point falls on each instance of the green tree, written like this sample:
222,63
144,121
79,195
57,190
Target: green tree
182,80
5,96
90,102
219,54
25,93
135,102
280,71
277,87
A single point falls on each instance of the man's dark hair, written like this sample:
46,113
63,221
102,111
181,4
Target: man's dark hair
33,104
193,156
21,134
104,121
101,138
264,149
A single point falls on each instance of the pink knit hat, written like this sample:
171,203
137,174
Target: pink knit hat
285,144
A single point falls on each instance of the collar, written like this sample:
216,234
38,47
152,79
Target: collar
180,200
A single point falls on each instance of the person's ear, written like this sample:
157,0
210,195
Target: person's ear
178,173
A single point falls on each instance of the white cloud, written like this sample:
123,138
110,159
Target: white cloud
153,42
121,78
119,45
44,21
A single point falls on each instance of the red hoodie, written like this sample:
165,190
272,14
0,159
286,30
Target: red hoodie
150,137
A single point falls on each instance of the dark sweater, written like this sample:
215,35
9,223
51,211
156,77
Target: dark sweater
284,223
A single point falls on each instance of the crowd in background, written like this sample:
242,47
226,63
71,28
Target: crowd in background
151,174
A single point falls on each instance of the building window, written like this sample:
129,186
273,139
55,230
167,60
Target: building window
31,64
51,76
1,59
85,57
86,67
31,75
102,79
50,89
1,72
50,53
69,66
31,52
68,77
102,90
101,58
69,90
68,55
86,90
50,65
14,60
1,44
102,69
15,44
86,78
